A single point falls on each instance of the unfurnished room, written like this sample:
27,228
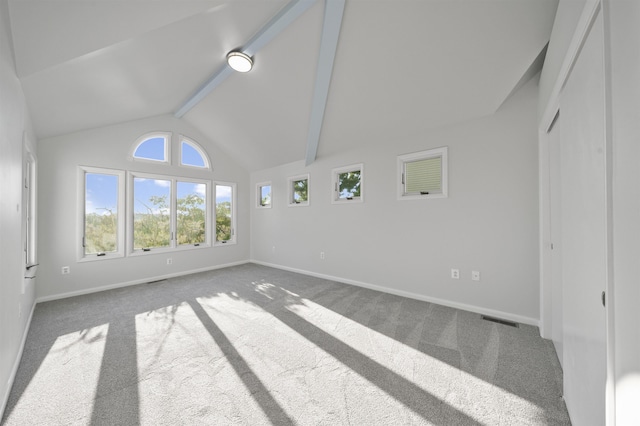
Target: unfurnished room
319,212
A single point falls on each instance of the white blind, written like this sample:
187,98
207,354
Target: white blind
423,176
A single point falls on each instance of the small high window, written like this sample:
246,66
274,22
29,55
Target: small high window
299,190
153,147
423,174
263,192
347,184
191,154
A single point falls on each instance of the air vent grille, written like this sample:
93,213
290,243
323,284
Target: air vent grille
501,321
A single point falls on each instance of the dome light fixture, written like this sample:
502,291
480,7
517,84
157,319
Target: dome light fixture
239,61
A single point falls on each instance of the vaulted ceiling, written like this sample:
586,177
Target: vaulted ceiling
86,64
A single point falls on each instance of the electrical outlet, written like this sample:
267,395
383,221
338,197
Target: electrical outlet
66,270
322,255
169,261
475,275
455,274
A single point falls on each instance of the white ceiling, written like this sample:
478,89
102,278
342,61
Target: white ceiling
86,64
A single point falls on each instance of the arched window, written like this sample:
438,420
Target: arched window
191,154
153,147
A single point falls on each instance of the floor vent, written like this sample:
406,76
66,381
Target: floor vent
501,321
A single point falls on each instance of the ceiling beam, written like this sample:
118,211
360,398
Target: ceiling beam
292,11
333,12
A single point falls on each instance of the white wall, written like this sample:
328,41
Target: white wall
624,26
109,147
488,223
15,306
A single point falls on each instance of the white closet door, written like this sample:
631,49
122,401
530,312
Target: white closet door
584,251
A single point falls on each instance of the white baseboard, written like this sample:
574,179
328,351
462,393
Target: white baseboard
463,306
16,363
135,282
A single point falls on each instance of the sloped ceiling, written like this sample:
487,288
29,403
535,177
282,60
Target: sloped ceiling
399,64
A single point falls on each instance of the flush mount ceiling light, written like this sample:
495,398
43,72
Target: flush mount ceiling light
239,61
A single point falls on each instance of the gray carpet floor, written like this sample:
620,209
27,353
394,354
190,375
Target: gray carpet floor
251,345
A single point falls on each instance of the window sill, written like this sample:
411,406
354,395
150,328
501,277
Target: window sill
422,196
354,200
95,258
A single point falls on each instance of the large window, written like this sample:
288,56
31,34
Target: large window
423,174
168,212
151,213
192,213
347,184
102,222
135,213
225,212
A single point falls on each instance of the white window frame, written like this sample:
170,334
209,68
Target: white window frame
335,184
423,155
208,215
167,148
122,212
259,187
173,226
195,145
290,190
30,219
234,207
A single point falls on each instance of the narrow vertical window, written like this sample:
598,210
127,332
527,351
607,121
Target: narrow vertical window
191,209
29,196
299,190
263,192
225,213
152,213
102,224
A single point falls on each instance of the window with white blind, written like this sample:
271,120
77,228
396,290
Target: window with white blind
423,174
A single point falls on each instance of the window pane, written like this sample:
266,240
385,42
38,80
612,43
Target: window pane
300,190
152,149
101,213
151,216
424,176
224,198
349,184
265,195
191,156
192,212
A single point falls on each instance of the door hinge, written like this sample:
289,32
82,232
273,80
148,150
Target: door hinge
604,299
